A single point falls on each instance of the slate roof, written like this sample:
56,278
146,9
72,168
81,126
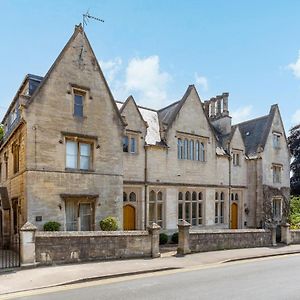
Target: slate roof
255,132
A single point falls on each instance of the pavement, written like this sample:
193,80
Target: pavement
42,277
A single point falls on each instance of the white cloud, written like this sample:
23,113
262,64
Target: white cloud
142,77
296,117
295,67
201,81
145,77
111,68
241,114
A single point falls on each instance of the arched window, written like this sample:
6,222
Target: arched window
200,196
197,156
159,196
194,196
236,197
179,149
132,197
125,197
187,196
217,196
191,150
186,147
222,196
202,152
180,196
232,197
152,196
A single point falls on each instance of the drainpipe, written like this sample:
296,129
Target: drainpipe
146,186
229,190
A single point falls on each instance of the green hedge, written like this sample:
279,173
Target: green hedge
52,226
109,224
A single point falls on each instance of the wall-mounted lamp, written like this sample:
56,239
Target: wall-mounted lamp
98,146
61,141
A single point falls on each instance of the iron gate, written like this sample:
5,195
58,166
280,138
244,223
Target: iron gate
9,252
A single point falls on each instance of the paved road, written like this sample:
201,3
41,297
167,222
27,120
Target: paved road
272,278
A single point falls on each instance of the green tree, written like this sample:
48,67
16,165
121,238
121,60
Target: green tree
294,145
295,213
1,131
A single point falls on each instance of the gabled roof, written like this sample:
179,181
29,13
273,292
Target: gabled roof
151,117
168,114
130,98
255,132
78,29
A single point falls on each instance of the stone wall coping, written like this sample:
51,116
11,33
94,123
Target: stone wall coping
67,234
230,231
295,230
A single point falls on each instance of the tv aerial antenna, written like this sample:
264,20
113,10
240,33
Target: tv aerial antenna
87,16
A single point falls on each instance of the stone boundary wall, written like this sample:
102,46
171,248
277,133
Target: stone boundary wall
220,239
70,247
295,236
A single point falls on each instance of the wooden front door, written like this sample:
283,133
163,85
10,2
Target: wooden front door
128,217
234,216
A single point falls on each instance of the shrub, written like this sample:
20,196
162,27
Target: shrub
109,224
52,226
163,238
174,238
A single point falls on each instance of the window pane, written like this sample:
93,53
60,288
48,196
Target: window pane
71,154
159,212
179,149
180,215
71,222
180,196
132,197
78,99
222,212
78,110
197,151
125,143
202,152
187,212
200,213
85,215
159,196
151,212
216,212
152,196
186,149
85,150
132,145
191,150
194,213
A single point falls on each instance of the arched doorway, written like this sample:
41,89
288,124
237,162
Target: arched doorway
234,216
128,217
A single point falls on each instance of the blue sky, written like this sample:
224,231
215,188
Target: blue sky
155,49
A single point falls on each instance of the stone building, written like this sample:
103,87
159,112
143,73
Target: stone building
73,154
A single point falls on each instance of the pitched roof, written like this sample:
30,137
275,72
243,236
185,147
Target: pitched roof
255,132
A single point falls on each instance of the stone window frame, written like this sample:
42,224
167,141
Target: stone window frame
220,206
276,140
157,202
130,134
81,140
85,93
199,218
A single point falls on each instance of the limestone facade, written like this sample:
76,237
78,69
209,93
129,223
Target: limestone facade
84,156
